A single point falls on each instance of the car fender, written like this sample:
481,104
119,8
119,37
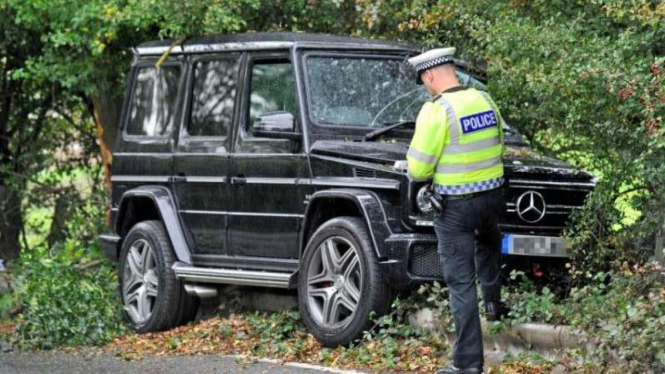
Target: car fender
164,204
370,207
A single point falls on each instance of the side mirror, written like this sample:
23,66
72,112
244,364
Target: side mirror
276,125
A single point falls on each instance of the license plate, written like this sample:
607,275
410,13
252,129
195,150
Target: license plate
533,245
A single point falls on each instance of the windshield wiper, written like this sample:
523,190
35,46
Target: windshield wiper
389,127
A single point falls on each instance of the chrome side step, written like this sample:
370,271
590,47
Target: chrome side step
231,276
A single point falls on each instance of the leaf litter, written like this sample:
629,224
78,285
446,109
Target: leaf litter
281,336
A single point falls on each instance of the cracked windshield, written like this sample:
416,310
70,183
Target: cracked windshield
365,92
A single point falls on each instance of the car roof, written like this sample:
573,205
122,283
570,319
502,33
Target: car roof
267,40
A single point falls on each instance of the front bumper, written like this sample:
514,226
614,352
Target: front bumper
110,244
415,258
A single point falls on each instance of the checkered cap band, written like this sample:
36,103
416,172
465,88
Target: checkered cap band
432,63
462,189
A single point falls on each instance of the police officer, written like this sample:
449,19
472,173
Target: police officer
458,144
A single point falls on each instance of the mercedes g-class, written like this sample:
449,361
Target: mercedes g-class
277,160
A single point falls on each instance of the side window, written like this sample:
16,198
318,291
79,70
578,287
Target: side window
154,101
213,97
272,89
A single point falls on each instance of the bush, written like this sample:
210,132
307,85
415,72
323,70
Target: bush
625,317
623,313
67,292
64,304
527,303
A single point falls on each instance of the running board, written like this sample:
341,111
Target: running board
232,276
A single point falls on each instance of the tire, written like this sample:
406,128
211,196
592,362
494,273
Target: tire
344,281
153,299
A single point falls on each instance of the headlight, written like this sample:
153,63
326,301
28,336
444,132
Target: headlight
401,165
423,204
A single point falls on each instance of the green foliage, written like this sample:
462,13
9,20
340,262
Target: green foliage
67,292
7,301
90,52
623,313
394,324
624,316
276,326
527,303
64,304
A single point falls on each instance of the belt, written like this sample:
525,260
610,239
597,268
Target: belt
467,195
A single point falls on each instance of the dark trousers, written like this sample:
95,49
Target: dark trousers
470,244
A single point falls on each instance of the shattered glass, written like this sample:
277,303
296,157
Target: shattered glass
361,91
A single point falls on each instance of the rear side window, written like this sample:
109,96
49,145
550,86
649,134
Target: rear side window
154,101
213,97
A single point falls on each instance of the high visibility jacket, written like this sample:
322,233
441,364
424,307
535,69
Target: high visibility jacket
458,142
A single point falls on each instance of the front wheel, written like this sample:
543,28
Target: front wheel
340,282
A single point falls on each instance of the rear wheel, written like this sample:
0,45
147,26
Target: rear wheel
153,298
340,282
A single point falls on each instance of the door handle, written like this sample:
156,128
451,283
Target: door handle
180,178
240,179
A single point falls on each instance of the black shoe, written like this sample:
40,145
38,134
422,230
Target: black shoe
455,370
495,311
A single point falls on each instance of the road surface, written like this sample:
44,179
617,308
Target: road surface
95,361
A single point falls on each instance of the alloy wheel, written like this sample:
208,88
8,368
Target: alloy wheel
140,281
334,282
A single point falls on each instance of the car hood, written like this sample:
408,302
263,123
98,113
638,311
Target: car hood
381,152
517,159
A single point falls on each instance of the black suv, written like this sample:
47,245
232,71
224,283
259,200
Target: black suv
267,160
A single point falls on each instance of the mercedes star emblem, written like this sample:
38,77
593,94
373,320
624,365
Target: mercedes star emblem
531,207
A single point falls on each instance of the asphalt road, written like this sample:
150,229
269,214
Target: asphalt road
98,362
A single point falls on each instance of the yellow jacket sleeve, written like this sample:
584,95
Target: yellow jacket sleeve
428,141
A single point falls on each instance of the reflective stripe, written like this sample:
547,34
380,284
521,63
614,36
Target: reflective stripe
453,126
465,168
421,156
453,149
458,163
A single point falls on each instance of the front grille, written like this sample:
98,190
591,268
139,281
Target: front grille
424,261
562,198
363,173
559,193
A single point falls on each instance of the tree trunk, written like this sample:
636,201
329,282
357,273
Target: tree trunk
10,223
106,110
65,205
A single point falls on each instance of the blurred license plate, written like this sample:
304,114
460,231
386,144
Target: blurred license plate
533,245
